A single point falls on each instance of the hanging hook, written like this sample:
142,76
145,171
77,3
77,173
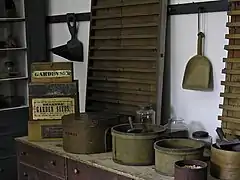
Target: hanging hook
200,10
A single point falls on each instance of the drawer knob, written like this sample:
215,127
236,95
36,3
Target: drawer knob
1,170
53,163
23,153
76,171
25,174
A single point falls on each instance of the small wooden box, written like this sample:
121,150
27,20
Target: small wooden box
52,108
53,89
45,130
50,101
52,72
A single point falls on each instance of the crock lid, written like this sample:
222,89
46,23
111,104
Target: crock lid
200,134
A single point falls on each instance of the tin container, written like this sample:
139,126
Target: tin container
45,130
88,133
52,72
190,170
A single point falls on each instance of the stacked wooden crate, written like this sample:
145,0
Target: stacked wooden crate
231,106
52,94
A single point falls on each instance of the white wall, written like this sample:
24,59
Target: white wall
59,35
195,105
190,105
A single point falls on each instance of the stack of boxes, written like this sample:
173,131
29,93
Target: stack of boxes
52,94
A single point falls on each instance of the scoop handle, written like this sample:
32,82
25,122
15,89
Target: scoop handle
130,122
200,35
220,133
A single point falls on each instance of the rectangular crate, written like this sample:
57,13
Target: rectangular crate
52,72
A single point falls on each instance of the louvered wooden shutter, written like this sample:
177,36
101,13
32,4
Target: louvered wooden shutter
124,50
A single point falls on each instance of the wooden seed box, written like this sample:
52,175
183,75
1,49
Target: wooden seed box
52,72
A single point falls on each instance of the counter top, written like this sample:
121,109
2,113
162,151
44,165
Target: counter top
102,161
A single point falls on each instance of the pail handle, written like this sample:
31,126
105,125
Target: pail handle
105,138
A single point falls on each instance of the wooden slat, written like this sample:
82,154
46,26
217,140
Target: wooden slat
124,48
118,101
232,36
230,95
233,13
124,69
123,4
230,131
233,0
124,37
231,60
232,47
125,91
228,107
233,24
228,71
121,80
229,119
125,26
232,84
123,58
126,15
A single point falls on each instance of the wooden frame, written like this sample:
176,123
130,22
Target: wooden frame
126,55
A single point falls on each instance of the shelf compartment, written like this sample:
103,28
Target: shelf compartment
14,49
7,20
13,108
13,79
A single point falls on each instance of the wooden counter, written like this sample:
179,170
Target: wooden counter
101,162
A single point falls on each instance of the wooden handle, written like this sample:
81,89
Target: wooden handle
200,43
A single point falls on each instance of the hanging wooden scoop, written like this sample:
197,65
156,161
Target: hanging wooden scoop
198,73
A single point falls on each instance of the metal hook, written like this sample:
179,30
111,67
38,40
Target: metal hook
200,10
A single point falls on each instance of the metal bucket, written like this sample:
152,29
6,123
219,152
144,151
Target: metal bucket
190,170
168,151
225,164
135,148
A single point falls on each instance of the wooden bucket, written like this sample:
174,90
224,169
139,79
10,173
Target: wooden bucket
225,164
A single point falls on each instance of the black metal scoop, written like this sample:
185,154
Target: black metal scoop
73,50
133,130
233,145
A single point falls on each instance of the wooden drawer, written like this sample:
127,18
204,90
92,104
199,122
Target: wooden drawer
41,159
8,168
79,171
7,146
26,172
